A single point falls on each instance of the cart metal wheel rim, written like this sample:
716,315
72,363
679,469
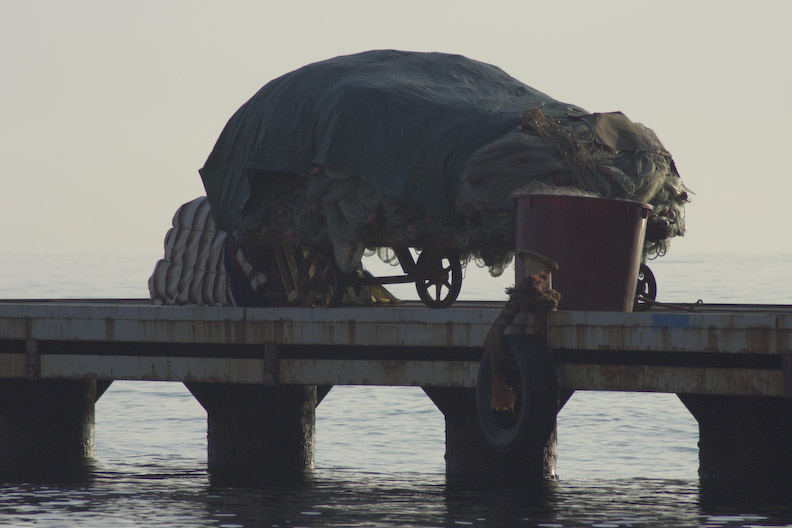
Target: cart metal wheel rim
439,278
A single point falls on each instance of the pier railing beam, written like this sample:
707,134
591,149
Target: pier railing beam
743,437
257,432
470,459
46,425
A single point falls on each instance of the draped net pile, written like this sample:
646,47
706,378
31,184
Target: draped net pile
398,149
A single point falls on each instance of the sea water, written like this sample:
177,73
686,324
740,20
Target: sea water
625,459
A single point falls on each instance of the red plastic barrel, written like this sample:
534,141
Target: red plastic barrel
596,242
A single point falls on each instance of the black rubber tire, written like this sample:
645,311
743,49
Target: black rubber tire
533,382
429,259
647,288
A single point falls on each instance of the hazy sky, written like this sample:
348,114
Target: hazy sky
109,108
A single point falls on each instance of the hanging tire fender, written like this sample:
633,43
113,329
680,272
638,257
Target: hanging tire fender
536,390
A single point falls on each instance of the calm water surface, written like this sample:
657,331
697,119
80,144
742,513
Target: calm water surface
625,459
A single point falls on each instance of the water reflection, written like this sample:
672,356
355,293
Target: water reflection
502,506
344,497
332,499
718,496
170,495
47,471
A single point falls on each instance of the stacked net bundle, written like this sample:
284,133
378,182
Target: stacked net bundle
396,149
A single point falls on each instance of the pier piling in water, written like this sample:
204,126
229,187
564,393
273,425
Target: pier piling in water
743,437
46,424
257,432
470,459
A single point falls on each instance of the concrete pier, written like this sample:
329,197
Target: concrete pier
46,424
258,433
256,372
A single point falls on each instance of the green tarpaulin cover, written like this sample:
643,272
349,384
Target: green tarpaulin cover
402,149
404,123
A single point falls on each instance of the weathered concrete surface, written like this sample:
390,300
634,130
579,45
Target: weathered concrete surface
470,460
743,438
256,432
46,424
255,371
747,329
735,349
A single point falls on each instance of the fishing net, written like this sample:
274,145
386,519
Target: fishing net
544,156
393,149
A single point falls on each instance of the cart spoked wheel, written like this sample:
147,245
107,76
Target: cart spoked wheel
438,278
320,281
646,289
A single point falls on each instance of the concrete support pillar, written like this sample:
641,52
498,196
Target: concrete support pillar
470,459
743,437
46,424
257,432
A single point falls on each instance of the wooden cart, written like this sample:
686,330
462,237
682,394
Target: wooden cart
311,275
